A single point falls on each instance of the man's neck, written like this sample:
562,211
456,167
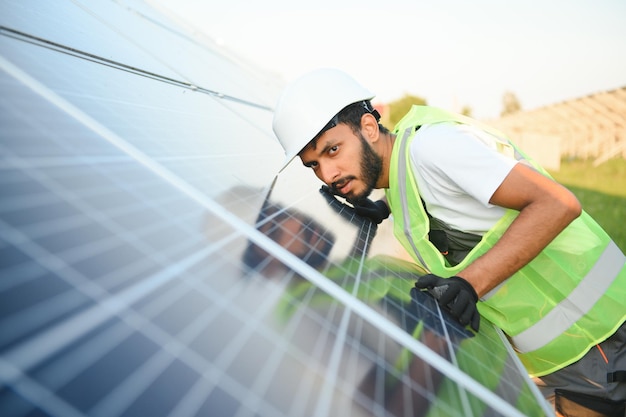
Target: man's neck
386,148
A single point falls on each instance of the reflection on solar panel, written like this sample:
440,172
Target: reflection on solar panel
153,265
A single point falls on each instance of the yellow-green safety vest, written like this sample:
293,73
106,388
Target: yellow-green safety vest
571,297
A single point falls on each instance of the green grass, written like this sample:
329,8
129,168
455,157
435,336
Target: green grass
601,191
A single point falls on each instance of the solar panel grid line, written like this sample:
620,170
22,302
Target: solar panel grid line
282,348
519,367
156,202
407,386
142,327
24,37
324,404
155,306
506,386
20,240
39,315
229,352
265,378
127,391
377,356
379,390
37,394
191,403
46,343
128,38
218,303
352,371
120,143
100,244
22,165
198,38
83,355
266,307
359,251
384,357
160,24
302,398
452,352
46,227
24,144
114,279
228,384
262,381
73,161
360,400
95,246
18,274
193,400
253,125
198,41
250,325
329,318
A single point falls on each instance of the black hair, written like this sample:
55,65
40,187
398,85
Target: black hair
351,115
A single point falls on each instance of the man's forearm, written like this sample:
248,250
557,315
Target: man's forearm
536,226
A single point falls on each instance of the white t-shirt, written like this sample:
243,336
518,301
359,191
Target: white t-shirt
458,169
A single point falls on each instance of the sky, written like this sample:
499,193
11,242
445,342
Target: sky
452,53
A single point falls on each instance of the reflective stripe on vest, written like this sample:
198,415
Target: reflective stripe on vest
578,303
403,195
569,298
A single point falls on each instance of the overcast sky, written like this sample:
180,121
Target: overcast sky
452,52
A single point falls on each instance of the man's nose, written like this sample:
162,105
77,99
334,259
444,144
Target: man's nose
329,173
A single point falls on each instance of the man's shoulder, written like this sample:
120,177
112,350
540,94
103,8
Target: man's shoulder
451,137
438,138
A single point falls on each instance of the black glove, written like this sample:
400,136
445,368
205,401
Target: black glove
376,211
455,295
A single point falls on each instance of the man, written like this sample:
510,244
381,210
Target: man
486,222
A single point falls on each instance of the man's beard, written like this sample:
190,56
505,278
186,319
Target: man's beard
371,168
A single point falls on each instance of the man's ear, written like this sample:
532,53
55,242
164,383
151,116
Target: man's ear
369,127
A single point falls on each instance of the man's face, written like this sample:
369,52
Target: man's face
345,161
294,231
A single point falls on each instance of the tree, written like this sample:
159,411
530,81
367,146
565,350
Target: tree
466,111
510,104
400,107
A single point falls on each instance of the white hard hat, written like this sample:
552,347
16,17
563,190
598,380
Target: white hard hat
309,103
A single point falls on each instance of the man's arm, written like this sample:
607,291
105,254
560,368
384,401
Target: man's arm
545,207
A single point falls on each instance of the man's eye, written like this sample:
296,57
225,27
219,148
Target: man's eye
333,149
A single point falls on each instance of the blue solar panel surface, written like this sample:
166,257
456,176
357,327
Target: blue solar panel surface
152,263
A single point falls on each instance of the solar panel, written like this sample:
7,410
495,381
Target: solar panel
152,263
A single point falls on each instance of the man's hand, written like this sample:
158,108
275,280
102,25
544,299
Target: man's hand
376,211
454,294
